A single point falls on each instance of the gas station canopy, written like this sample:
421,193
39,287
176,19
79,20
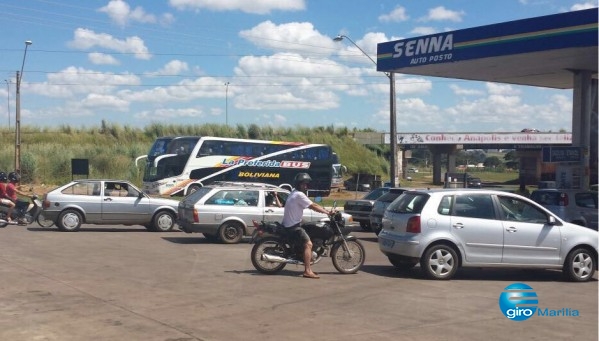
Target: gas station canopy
542,51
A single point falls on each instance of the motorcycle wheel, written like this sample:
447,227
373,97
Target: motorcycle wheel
270,246
351,260
3,217
43,222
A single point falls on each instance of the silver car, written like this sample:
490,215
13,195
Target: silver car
225,211
572,205
445,229
107,202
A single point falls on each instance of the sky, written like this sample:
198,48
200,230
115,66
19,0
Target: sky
265,62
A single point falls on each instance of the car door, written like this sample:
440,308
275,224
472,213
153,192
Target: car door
121,203
271,210
528,238
476,228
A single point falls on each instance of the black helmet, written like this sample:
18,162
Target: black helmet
3,177
302,177
14,177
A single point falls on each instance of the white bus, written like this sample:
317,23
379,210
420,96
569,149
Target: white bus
182,164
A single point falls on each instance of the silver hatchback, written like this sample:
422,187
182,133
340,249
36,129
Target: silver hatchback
444,229
225,211
107,202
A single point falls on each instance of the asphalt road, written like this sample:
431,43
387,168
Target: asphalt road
123,283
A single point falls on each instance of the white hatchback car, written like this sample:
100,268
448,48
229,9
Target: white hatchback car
444,229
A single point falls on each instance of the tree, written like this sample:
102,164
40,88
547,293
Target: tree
492,162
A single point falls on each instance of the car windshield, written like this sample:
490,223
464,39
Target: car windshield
409,203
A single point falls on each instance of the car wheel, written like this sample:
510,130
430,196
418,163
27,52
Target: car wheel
402,263
163,221
230,232
439,262
69,221
580,265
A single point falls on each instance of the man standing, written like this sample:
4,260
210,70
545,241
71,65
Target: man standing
293,213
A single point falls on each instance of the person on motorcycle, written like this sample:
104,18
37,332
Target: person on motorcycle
292,217
4,200
12,191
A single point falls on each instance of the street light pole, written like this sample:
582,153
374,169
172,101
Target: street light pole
8,101
227,103
18,113
392,112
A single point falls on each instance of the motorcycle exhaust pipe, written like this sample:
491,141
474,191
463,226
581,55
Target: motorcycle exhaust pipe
277,259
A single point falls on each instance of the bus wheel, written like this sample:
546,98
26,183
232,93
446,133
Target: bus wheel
192,189
230,232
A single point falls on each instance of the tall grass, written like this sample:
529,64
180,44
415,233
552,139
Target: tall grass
111,149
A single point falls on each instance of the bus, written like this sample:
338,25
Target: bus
179,165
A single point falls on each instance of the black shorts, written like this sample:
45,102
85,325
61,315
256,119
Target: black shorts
300,234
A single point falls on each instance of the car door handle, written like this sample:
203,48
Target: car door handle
269,210
107,199
511,229
458,226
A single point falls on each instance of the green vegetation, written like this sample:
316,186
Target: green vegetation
46,153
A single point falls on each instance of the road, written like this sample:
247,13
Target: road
123,283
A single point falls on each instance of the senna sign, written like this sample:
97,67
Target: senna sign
558,31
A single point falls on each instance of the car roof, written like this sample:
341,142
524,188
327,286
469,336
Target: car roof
244,185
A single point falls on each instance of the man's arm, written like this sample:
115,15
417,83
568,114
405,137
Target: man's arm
316,207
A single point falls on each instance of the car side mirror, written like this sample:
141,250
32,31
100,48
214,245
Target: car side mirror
551,221
140,195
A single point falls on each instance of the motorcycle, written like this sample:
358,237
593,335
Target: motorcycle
26,215
275,246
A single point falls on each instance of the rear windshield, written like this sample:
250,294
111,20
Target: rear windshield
375,194
409,203
197,195
388,197
546,198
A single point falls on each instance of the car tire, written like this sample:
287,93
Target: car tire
163,221
439,262
230,232
402,263
579,265
69,221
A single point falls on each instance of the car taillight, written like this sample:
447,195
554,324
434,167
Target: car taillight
413,225
563,199
196,216
45,204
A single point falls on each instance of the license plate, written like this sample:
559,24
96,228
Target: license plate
387,243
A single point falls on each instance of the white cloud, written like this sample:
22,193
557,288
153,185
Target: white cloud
254,6
120,12
102,59
440,13
460,91
294,37
423,30
99,101
75,80
172,68
85,39
584,5
397,15
162,114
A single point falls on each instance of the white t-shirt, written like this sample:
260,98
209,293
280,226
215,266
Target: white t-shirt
294,208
